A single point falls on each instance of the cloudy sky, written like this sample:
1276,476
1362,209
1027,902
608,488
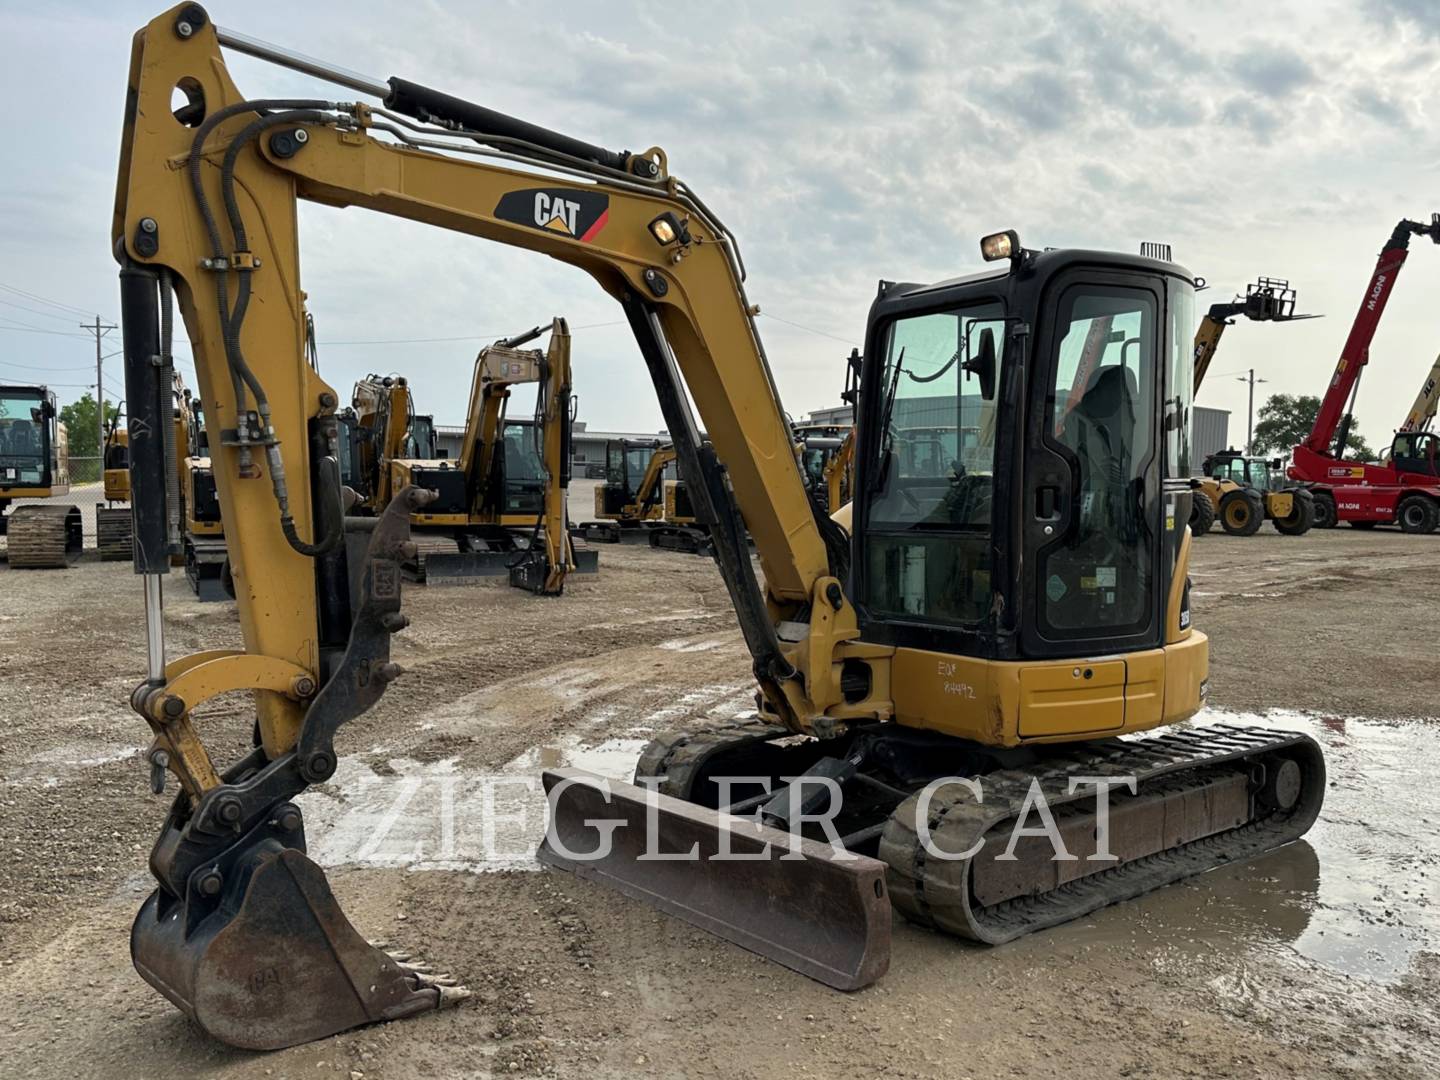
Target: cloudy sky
841,142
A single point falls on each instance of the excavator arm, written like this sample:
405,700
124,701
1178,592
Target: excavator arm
648,489
206,209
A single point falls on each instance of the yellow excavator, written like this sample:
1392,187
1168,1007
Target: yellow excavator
1241,493
501,507
630,500
382,426
967,653
35,464
112,522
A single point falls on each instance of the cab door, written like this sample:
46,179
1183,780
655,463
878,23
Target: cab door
1094,515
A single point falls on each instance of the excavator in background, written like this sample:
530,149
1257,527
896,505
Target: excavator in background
637,504
202,527
816,446
1224,492
1405,490
112,523
501,507
35,464
987,634
382,426
630,501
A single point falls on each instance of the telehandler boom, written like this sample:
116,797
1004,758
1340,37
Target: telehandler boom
998,627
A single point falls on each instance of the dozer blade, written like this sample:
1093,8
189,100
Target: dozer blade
819,911
276,963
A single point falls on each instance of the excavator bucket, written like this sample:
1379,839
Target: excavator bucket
820,911
276,963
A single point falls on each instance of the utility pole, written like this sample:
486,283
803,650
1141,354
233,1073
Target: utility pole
99,330
1250,418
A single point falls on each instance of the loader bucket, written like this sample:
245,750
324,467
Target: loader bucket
819,911
276,963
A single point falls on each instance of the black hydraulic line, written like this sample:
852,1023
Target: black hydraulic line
140,322
426,105
712,501
167,394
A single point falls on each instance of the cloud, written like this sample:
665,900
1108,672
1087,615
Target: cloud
1272,70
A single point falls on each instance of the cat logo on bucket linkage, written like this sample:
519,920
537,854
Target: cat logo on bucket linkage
574,213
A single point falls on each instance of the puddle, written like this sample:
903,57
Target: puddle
1359,895
416,815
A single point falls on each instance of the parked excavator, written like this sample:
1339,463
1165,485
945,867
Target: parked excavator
35,464
630,502
203,550
501,507
112,522
113,535
986,634
384,427
1223,492
1362,493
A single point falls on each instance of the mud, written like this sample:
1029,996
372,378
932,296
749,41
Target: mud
1322,959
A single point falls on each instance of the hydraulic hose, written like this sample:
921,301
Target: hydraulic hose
231,321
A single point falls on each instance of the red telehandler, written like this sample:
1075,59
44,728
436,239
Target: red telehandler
1405,490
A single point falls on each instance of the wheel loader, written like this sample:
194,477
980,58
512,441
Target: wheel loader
1247,491
35,464
973,648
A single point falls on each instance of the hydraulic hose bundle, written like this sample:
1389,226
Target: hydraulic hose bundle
295,111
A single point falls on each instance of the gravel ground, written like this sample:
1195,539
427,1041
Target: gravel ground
1320,960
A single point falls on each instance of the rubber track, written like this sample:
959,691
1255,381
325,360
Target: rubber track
677,756
113,535
936,892
37,536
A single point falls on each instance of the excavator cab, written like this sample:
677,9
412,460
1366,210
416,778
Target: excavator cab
1071,361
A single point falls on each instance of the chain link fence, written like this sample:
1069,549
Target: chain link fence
86,470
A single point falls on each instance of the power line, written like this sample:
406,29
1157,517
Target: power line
468,337
36,311
808,329
45,300
43,367
22,329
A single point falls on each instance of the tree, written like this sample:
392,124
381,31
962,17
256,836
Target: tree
1285,422
79,419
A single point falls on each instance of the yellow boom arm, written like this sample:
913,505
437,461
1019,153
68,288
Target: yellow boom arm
213,202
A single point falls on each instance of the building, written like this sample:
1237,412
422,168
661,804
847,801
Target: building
587,448
1209,434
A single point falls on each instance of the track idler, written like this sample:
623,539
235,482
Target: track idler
260,956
